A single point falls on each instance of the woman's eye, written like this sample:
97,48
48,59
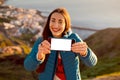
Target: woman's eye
60,22
52,20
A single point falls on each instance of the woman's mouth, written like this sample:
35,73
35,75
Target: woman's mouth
55,30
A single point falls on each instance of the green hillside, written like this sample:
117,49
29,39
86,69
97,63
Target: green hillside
6,41
11,65
106,45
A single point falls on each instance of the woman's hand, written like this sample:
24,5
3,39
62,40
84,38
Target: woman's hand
43,49
80,47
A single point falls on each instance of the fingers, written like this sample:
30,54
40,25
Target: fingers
44,47
45,44
44,50
79,47
81,44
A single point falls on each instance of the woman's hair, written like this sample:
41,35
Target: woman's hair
47,33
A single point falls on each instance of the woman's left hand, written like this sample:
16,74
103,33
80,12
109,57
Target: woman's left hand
80,47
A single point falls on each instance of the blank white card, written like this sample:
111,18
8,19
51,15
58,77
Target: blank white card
61,44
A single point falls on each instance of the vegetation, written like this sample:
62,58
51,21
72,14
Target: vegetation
104,43
4,20
104,66
11,66
12,71
4,41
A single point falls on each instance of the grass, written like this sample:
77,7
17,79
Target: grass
11,71
111,74
103,67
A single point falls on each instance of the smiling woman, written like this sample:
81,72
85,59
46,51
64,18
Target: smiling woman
59,64
57,25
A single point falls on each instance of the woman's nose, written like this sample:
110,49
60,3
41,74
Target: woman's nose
56,25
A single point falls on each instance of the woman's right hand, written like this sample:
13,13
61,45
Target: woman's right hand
43,49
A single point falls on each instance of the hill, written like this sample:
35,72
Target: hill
105,42
106,45
12,53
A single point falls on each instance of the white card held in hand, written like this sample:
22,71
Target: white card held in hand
61,44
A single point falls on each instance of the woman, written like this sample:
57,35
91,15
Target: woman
60,65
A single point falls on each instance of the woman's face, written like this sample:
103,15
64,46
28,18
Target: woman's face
57,24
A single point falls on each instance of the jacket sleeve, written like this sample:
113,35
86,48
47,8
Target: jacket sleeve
31,62
91,58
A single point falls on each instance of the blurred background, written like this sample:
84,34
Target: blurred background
96,22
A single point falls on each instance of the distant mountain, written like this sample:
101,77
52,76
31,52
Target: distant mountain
105,42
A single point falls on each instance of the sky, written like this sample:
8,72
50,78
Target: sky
88,13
